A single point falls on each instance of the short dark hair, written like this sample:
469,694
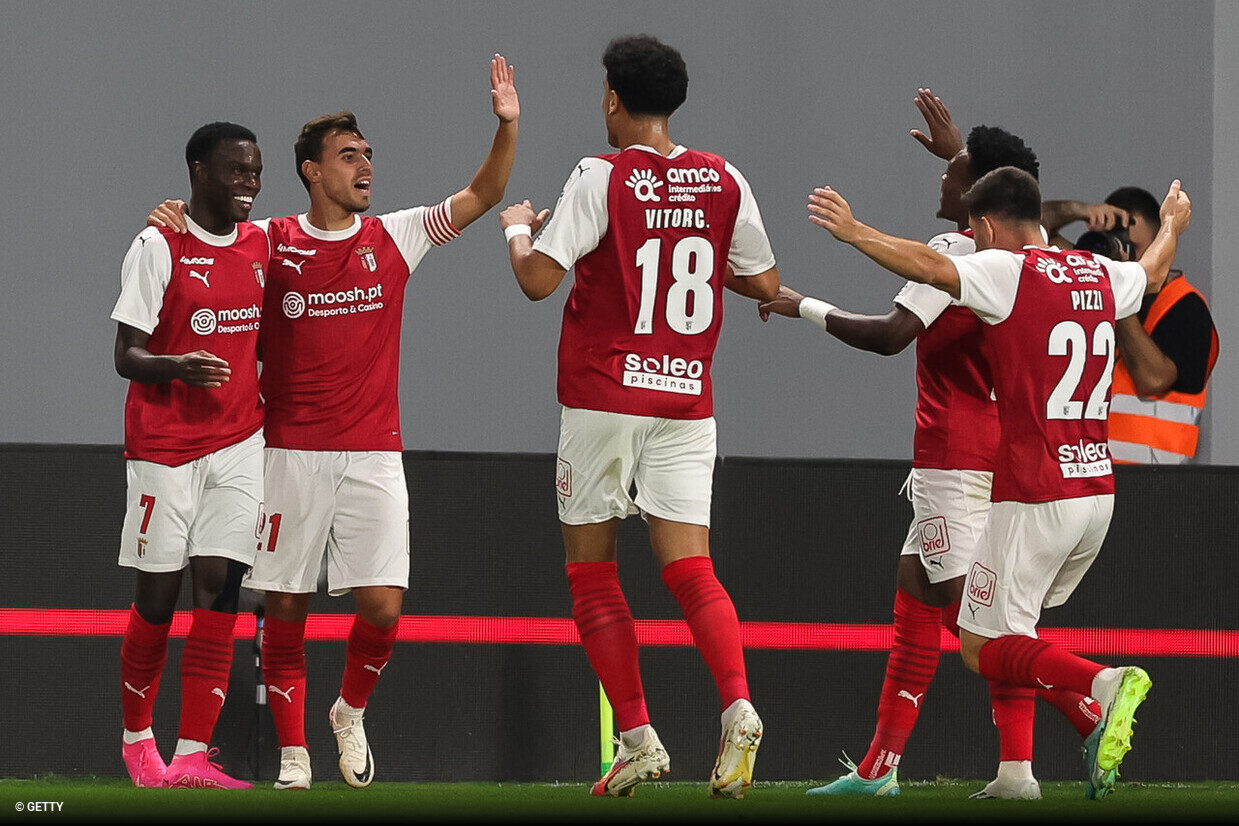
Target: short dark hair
1006,193
1138,202
648,75
309,146
208,136
990,147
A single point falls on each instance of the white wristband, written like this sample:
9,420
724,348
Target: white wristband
517,229
815,310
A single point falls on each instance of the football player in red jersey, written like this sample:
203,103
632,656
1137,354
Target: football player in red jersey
335,483
954,443
187,333
1050,317
654,232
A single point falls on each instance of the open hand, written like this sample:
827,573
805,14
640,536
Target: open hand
828,209
943,139
503,90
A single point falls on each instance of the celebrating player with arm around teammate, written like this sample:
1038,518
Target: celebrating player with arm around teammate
334,466
187,339
651,232
1050,317
335,472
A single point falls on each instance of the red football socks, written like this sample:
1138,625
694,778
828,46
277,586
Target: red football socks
1081,711
283,668
369,649
206,665
1034,663
609,637
1014,714
143,652
711,616
910,668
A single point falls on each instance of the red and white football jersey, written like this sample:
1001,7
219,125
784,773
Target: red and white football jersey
956,418
650,238
1050,336
194,291
331,327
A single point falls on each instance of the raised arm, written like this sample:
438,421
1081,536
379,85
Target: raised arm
488,185
885,335
1101,217
908,259
1176,214
1152,371
944,139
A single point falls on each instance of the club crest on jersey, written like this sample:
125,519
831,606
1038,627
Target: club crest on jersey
644,185
259,275
367,258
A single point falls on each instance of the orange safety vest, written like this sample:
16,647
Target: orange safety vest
1157,429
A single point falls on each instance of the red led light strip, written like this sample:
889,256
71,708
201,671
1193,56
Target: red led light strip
809,636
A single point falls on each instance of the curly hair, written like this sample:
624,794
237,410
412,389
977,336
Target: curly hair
990,147
648,75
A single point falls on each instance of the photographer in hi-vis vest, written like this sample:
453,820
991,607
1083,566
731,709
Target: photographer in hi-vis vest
1166,351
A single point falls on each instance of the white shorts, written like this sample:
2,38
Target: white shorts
602,455
1032,557
208,507
352,506
949,511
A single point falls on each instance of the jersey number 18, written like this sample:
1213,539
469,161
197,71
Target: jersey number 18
692,265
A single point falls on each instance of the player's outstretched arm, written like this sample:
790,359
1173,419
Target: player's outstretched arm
885,335
908,259
537,273
944,139
136,363
1176,214
488,185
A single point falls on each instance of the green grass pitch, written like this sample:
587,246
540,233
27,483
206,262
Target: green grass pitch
111,800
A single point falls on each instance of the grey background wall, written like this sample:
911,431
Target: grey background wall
100,97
